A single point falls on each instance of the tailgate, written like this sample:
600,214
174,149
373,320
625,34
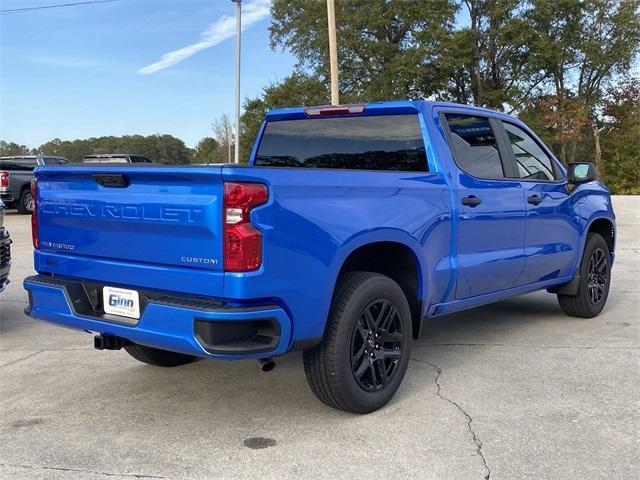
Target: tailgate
145,215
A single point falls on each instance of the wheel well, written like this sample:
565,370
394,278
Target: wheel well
604,228
396,261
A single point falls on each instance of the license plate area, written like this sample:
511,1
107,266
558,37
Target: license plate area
121,302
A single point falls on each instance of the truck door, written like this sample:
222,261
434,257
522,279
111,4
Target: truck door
553,232
491,208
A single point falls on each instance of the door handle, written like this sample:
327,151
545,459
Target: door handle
471,201
534,199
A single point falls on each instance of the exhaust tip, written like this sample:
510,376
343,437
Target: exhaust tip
107,342
267,364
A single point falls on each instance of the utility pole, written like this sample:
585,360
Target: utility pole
333,52
238,34
228,131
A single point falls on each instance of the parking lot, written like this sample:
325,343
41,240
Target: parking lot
515,390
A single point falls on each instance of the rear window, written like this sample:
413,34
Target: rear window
105,160
389,142
24,164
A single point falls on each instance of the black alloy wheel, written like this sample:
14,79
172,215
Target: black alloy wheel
365,351
598,274
376,345
594,280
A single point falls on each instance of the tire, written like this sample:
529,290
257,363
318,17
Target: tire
157,357
25,202
595,279
334,369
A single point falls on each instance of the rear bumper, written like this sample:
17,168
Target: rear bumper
191,325
6,197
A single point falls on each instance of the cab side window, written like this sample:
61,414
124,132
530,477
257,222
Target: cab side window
474,145
531,161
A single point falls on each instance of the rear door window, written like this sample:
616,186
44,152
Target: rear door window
139,159
531,161
50,161
474,145
389,142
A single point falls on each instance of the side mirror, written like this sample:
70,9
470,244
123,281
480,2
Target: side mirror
582,172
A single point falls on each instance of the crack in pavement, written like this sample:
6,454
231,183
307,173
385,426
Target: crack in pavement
21,359
474,437
80,470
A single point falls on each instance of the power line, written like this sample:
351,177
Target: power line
27,9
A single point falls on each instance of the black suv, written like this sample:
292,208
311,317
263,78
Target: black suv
15,178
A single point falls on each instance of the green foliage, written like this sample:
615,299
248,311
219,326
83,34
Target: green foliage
10,149
160,148
387,49
549,61
207,151
621,139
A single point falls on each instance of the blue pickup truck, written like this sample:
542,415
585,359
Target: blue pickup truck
350,227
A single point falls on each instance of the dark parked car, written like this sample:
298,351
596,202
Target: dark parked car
16,174
5,251
116,158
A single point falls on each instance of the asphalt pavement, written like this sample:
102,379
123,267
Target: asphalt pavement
514,390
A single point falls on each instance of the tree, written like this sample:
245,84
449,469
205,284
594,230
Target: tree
224,135
161,148
387,49
295,90
621,138
10,149
207,151
487,57
578,50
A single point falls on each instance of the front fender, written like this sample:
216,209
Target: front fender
594,204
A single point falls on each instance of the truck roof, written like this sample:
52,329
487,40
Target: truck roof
29,157
108,155
376,108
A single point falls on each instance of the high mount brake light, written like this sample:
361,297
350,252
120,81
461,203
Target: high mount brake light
242,243
334,110
34,214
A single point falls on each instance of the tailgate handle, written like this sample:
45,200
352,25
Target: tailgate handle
111,180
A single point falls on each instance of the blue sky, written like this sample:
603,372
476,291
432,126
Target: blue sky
128,67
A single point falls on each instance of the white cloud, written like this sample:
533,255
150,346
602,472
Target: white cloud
217,32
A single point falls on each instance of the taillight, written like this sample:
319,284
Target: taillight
4,180
34,215
242,241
